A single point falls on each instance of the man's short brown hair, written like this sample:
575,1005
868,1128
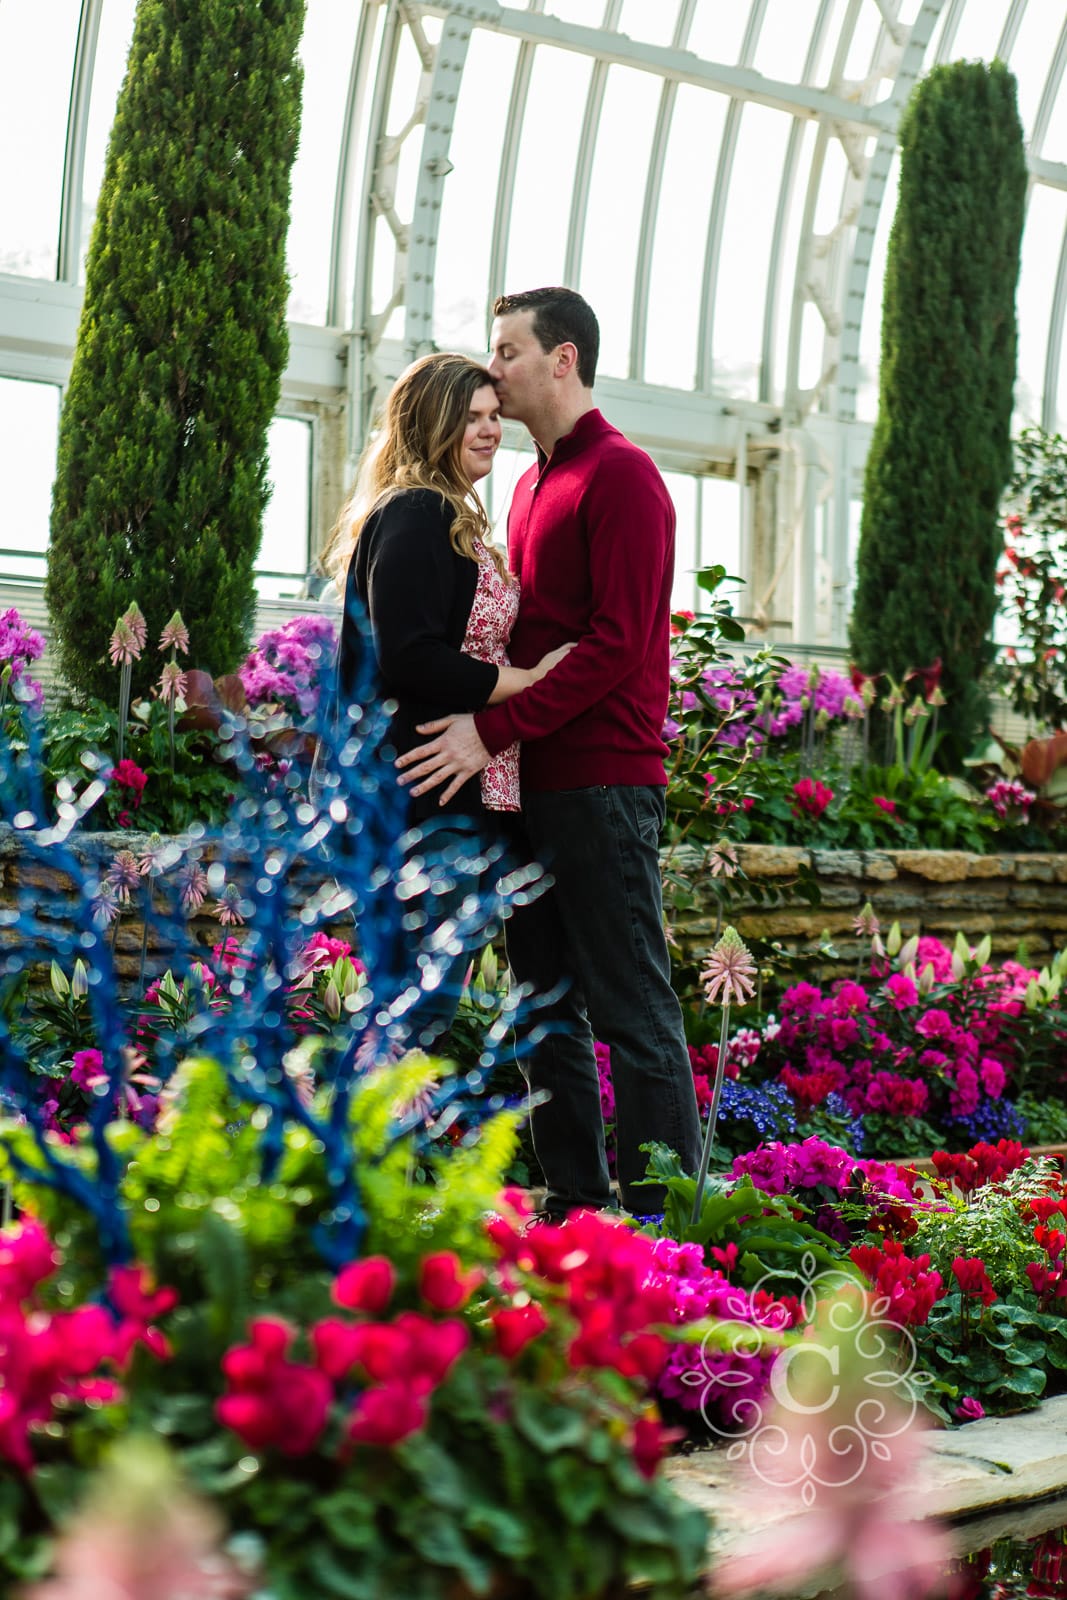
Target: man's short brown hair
560,316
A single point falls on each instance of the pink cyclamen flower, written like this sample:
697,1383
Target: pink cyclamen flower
729,973
888,806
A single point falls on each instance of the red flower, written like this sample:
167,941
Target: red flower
337,1346
931,677
387,1415
138,1303
516,1326
649,1445
273,1402
811,797
128,775
971,1275
365,1285
888,806
1051,1240
442,1282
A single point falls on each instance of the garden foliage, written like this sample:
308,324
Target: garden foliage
162,468
940,456
1033,579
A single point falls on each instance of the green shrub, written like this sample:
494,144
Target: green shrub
162,470
941,452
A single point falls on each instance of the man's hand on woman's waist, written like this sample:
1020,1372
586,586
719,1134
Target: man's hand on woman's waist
456,754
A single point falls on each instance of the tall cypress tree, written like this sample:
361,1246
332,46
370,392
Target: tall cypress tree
161,478
940,456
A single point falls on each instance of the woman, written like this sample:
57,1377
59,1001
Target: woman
413,547
415,544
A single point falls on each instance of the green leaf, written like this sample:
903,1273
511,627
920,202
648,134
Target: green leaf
547,1424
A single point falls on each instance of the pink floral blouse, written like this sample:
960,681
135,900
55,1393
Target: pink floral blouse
496,605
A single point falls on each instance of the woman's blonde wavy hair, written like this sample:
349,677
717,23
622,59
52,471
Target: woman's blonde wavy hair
419,446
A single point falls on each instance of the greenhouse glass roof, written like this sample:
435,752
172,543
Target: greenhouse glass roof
718,177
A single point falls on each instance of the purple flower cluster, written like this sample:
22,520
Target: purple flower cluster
287,665
723,1385
825,690
19,645
814,1164
918,1043
796,689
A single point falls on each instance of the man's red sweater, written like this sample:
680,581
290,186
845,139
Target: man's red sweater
591,539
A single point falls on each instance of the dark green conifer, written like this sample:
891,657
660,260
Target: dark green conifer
161,479
941,452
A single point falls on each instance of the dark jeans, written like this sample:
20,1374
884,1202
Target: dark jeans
599,931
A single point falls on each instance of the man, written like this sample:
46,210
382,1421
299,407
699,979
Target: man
591,538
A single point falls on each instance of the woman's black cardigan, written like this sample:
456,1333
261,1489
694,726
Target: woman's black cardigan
418,592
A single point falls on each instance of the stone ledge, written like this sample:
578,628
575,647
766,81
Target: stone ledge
987,1474
938,892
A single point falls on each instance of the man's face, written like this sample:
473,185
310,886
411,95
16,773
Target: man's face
520,369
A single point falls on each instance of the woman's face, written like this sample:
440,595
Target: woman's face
481,439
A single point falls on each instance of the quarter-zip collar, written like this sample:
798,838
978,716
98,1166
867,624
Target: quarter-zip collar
589,427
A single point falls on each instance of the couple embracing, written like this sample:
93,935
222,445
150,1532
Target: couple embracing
533,692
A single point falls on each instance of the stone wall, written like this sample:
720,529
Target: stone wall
1015,899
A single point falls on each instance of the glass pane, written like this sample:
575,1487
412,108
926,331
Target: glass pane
465,236
36,63
1055,145
871,328
405,90
29,419
741,290
787,266
720,522
616,197
1045,219
326,52
784,38
719,30
681,234
682,488
287,519
109,69
1031,55
555,107
979,30
862,46
650,20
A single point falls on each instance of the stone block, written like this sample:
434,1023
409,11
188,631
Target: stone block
1036,869
837,863
938,866
772,860
879,866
